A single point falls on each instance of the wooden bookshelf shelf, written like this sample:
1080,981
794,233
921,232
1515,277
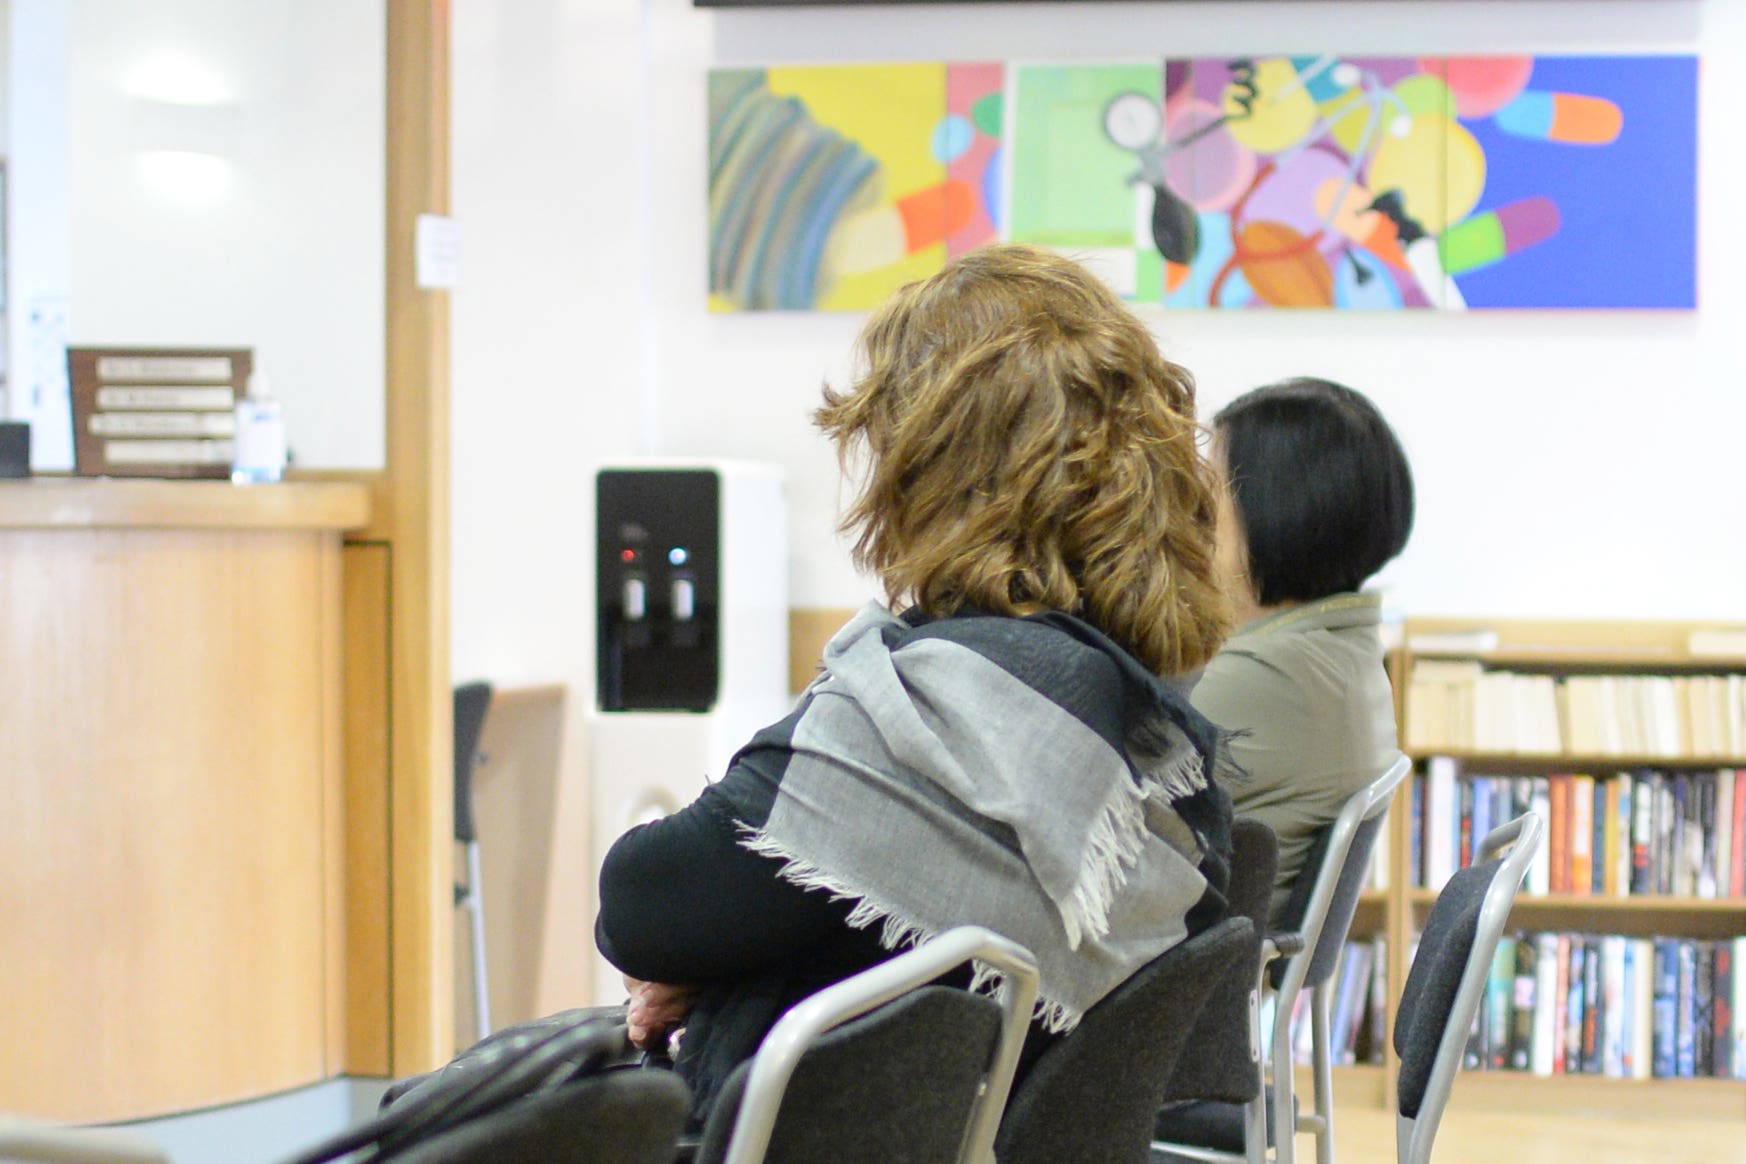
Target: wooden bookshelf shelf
1518,1092
1637,917
1635,653
1361,1083
1589,662
1505,763
1647,903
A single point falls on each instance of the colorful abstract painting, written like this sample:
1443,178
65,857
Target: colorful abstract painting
831,186
1308,181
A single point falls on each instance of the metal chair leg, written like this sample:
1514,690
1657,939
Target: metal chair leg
1281,1084
1255,1111
476,911
1321,1003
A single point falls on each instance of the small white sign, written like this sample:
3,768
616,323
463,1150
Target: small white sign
438,247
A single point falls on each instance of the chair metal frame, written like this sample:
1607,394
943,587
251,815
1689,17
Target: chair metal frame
471,895
27,1140
1269,948
1164,1000
1273,947
1522,836
1274,1049
1366,804
795,1032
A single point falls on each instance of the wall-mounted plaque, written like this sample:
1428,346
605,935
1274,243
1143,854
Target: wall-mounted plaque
155,412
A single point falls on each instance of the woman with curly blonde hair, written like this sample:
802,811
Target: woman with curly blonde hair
1000,746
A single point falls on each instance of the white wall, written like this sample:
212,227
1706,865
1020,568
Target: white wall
275,242
37,179
547,375
1568,464
1575,464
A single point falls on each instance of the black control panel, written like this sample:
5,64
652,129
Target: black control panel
658,606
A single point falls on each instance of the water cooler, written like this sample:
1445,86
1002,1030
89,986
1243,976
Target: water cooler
691,608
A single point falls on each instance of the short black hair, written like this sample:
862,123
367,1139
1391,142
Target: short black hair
1320,484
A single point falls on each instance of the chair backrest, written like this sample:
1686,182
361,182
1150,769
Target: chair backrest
1094,1094
1326,894
514,1090
883,1066
1448,978
617,1117
1211,1065
472,701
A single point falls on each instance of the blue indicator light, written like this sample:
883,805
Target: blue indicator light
678,556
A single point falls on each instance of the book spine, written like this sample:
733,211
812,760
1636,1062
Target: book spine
1482,822
1642,1007
1661,852
1557,835
1609,1019
1724,828
1627,1008
1737,1006
1593,1030
1545,1001
1378,1025
1440,823
1581,835
1417,876
1573,1007
1499,988
1722,1010
1685,1008
1622,805
1464,825
1540,867
1642,822
1737,843
1703,1008
1665,1008
1521,1042
1706,836
1676,850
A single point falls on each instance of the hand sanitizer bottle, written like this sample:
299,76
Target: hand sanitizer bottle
259,455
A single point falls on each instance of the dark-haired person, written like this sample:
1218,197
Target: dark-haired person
1318,498
996,746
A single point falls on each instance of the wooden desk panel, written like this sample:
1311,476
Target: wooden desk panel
167,739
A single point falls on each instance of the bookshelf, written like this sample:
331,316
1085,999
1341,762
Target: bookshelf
1657,682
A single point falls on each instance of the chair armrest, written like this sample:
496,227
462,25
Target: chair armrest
1275,946
22,1139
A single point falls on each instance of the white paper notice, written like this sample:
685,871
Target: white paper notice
438,248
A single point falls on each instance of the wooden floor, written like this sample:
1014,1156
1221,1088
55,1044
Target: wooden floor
1366,1136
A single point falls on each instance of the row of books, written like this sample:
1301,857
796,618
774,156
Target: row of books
1622,1007
1627,834
1459,705
1358,1015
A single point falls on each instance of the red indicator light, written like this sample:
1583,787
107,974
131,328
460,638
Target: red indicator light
627,555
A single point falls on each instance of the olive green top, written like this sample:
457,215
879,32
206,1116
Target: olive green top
1307,693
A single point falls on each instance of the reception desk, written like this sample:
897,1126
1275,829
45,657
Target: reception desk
172,845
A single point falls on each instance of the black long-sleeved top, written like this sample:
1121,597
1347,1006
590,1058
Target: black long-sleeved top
682,902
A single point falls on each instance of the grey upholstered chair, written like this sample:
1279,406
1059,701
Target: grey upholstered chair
1309,941
923,1077
1447,979
1094,1094
1215,1106
538,1092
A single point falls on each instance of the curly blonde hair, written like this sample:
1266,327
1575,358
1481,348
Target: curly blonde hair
1028,448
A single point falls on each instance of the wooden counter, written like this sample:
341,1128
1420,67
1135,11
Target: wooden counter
172,846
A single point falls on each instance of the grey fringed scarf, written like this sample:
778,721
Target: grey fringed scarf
1022,774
